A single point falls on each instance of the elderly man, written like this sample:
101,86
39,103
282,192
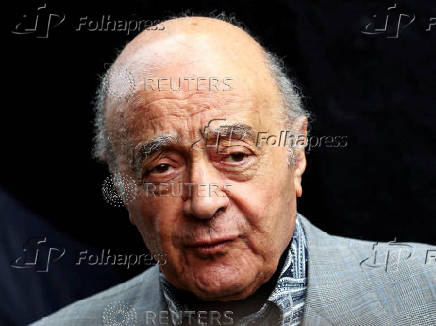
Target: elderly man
178,119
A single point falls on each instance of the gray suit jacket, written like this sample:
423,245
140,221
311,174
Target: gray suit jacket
350,282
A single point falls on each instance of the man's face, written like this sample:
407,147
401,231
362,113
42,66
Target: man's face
222,211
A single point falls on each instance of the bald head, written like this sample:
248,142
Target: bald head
183,37
190,48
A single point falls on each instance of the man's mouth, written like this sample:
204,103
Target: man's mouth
212,247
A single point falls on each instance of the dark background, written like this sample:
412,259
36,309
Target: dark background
377,90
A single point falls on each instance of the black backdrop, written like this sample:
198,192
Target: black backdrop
378,90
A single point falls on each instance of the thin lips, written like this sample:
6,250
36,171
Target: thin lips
210,243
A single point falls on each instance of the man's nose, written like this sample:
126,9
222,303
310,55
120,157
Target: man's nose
207,195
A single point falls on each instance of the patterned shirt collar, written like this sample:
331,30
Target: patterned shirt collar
286,302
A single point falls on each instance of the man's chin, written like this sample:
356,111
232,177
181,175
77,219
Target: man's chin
210,285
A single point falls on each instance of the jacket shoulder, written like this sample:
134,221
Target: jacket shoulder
359,282
119,301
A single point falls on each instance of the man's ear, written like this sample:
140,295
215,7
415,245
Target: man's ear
300,129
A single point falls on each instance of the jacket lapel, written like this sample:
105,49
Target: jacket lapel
150,303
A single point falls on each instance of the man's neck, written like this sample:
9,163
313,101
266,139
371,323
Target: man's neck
239,308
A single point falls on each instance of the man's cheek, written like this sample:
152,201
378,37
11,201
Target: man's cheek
155,209
250,201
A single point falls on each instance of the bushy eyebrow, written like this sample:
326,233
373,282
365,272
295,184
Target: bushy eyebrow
143,150
146,149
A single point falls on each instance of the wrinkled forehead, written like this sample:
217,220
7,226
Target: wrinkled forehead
185,86
187,117
202,62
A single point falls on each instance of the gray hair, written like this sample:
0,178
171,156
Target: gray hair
291,97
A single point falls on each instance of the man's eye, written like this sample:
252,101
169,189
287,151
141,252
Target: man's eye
235,157
161,168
